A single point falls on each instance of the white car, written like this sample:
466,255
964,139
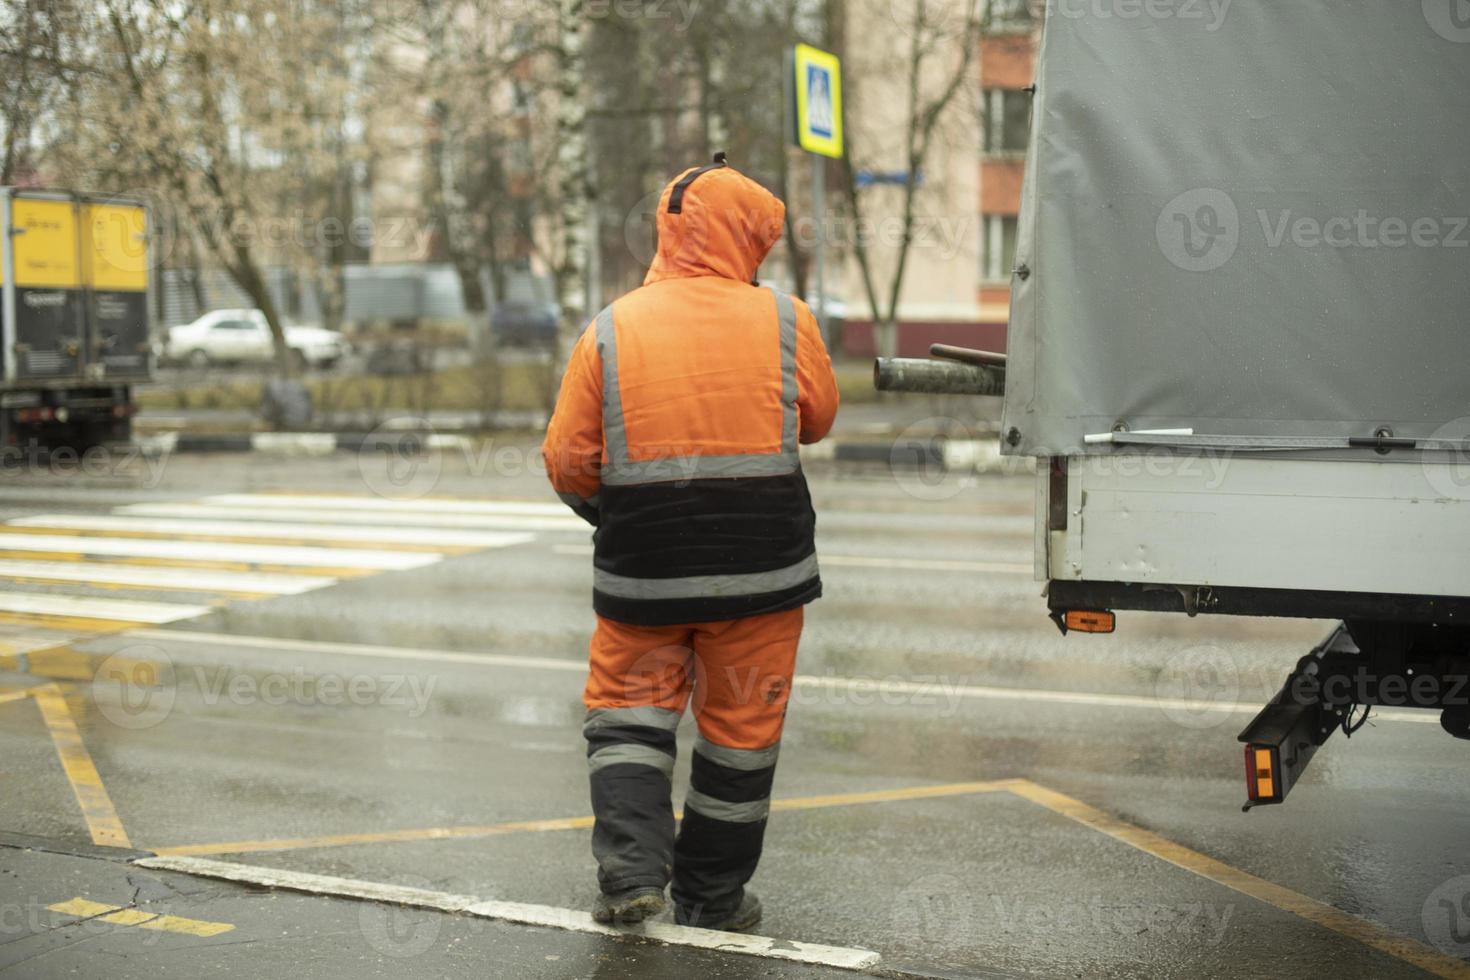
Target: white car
244,337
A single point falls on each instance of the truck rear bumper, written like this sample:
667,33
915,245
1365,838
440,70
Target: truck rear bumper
1251,601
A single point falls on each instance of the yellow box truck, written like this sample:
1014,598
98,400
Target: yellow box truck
74,311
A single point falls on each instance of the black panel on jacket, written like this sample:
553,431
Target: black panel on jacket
705,527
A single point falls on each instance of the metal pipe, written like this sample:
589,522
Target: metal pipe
937,377
967,355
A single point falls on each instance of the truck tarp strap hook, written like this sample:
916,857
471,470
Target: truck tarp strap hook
676,199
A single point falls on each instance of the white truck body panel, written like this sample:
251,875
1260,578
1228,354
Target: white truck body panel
1261,521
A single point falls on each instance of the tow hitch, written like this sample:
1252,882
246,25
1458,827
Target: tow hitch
1282,739
1358,666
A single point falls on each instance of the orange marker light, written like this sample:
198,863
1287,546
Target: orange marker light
1260,773
1089,621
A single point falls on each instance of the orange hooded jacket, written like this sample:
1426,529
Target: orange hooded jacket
677,425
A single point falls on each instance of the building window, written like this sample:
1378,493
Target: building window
1007,120
998,256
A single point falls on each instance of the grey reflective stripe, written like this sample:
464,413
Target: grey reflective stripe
630,754
685,468
614,432
575,502
746,760
696,586
644,717
620,470
729,812
786,310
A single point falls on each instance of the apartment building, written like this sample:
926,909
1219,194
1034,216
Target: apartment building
956,286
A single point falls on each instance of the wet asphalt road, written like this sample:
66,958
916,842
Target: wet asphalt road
384,725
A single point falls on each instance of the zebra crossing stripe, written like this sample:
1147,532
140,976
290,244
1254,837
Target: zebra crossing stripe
443,517
432,505
313,557
163,577
413,536
89,607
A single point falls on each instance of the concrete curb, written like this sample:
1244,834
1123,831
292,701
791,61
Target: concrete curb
299,443
949,455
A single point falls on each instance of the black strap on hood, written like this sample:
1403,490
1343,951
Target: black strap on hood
676,199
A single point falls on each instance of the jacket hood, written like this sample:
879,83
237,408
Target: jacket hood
714,221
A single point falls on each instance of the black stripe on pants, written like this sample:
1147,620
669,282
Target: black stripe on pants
717,851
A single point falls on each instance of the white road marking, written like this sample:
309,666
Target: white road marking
933,689
213,551
271,644
840,957
927,564
148,576
429,505
269,529
86,607
864,561
445,517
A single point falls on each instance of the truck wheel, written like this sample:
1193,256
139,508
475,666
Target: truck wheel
199,360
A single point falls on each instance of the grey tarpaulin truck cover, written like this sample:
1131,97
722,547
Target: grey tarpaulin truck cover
1248,219
1240,320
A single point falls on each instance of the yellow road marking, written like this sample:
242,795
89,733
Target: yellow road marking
14,695
1319,913
381,837
562,823
890,795
210,564
76,762
65,662
116,915
1328,917
69,624
131,587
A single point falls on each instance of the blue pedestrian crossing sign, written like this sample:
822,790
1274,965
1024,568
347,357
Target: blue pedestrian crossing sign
818,101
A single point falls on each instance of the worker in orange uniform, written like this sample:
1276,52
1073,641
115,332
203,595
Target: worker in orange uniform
675,435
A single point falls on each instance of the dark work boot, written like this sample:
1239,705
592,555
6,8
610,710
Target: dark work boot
745,918
630,907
